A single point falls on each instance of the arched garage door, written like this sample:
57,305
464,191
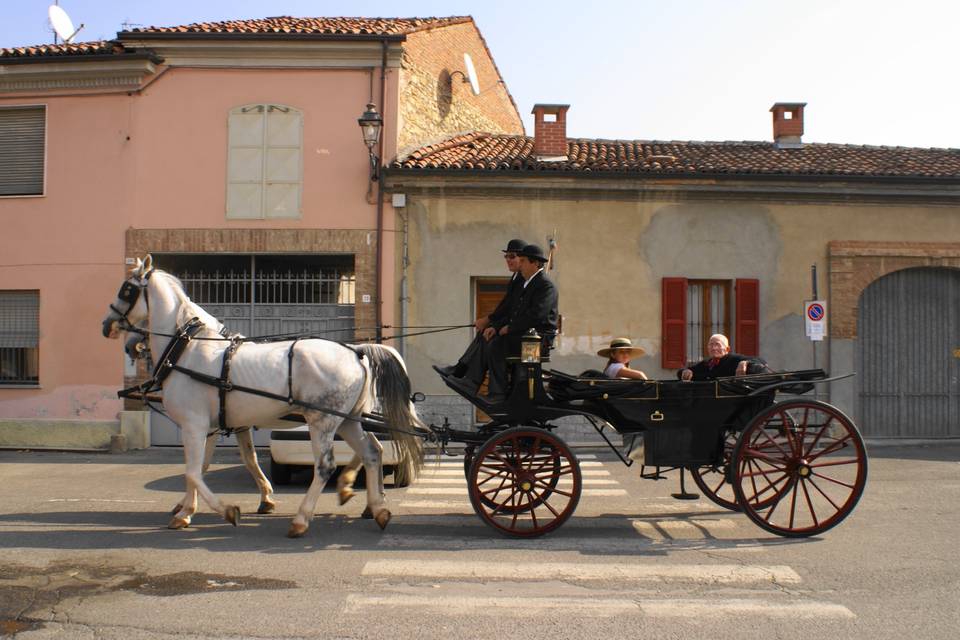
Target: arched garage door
908,354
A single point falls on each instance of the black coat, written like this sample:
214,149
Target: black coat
725,368
536,308
501,315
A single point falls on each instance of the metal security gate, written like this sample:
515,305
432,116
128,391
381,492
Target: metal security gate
908,355
265,295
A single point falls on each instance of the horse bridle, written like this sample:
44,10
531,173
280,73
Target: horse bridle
130,292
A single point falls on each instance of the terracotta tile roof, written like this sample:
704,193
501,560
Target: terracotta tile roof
264,26
316,26
100,47
487,153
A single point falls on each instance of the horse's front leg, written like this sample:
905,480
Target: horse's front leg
194,450
190,497
321,440
249,455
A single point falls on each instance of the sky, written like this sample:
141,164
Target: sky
877,72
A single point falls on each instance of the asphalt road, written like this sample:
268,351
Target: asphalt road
84,553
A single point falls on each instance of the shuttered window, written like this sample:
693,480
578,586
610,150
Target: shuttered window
264,163
693,310
22,142
19,337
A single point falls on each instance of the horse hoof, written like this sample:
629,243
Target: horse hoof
176,509
267,506
179,523
383,518
296,530
232,515
367,513
345,495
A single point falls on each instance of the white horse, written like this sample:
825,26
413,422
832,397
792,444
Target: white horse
138,343
330,383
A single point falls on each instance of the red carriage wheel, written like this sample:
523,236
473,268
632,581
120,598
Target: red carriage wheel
714,480
800,468
524,482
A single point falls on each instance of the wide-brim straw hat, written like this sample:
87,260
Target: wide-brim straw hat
618,344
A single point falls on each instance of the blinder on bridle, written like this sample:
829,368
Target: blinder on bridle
130,292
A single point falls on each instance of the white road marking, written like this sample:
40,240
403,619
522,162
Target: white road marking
682,528
99,500
527,605
436,504
428,473
458,491
575,542
527,571
463,481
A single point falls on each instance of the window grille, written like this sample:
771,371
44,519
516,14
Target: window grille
19,337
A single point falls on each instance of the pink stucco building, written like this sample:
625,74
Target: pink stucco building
231,152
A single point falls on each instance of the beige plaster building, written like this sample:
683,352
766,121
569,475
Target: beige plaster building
668,242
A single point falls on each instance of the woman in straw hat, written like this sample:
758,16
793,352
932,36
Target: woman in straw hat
618,356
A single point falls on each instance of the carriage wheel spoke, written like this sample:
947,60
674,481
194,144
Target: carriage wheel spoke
833,448
825,496
833,463
806,495
823,429
833,480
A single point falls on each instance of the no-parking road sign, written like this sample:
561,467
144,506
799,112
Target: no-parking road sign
815,318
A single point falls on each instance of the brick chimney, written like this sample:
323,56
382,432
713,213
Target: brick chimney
788,124
550,132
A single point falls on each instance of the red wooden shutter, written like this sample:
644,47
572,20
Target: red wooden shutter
673,302
748,317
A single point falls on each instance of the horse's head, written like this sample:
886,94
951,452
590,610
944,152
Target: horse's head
132,305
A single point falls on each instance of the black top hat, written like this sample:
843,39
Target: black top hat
532,252
515,246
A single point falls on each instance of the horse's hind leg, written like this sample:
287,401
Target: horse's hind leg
347,478
367,445
249,455
194,449
321,439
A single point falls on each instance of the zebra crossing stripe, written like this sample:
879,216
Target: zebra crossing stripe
429,473
527,571
461,481
606,607
474,536
459,491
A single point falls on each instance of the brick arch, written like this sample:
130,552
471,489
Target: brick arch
856,264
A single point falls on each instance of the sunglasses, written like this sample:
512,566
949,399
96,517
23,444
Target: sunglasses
509,256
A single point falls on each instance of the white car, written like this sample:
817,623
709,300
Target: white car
290,448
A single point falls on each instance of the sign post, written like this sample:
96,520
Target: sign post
815,319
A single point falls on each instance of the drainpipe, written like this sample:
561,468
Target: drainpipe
383,134
404,262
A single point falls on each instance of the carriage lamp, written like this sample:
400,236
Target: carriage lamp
530,347
370,125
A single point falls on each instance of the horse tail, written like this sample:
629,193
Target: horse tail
392,387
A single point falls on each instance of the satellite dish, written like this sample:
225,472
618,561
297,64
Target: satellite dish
471,74
62,24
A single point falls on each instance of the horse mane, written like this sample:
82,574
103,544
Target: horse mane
190,309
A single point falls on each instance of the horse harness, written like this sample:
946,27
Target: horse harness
168,362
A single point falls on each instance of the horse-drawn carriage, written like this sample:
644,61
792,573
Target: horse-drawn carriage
796,467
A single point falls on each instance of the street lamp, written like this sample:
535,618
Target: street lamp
370,125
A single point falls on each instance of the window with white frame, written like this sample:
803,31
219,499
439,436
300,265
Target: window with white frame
19,338
264,162
22,150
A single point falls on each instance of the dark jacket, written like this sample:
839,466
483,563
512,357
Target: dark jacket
536,308
725,368
501,315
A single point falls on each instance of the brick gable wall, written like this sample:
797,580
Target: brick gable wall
436,103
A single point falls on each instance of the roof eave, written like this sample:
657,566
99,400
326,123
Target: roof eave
196,35
83,57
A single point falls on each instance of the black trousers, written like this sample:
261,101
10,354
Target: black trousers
483,356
